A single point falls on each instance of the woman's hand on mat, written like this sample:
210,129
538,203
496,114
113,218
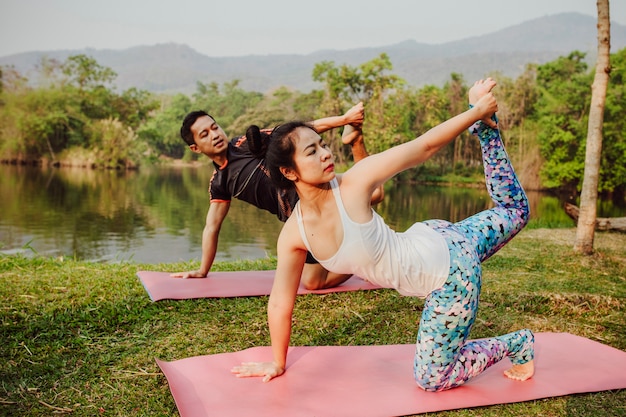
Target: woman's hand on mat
267,370
189,274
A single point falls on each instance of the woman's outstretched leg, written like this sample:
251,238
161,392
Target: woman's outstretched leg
491,229
444,358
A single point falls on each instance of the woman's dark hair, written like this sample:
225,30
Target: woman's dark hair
277,149
188,121
257,141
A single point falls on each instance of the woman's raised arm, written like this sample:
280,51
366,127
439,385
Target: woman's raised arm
376,169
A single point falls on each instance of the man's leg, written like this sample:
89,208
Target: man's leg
315,277
353,136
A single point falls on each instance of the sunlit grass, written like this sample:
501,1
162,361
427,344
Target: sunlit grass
80,338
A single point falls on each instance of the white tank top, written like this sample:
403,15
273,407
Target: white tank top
414,262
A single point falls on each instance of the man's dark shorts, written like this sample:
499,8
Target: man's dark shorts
310,259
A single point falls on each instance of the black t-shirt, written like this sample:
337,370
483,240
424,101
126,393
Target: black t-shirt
245,177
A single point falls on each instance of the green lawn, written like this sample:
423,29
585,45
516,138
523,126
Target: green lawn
80,338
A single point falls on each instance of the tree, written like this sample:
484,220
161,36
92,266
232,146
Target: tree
274,109
339,83
162,131
516,101
60,117
227,103
461,148
85,73
370,82
133,107
562,110
589,194
613,168
516,98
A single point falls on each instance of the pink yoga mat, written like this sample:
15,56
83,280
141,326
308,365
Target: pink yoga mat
161,286
377,381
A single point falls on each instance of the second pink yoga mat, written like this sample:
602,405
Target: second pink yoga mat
160,285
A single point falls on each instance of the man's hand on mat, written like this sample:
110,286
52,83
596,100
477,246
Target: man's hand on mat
267,370
189,274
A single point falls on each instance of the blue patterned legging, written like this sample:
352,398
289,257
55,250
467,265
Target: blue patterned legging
444,358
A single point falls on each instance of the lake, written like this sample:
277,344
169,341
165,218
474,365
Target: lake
156,214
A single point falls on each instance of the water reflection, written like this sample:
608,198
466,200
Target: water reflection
152,215
157,215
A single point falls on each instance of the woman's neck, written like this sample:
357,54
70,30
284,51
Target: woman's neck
313,197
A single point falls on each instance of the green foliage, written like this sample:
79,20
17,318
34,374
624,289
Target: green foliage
134,107
162,131
40,120
543,115
562,113
85,73
613,167
64,111
371,83
516,98
230,106
225,104
275,108
115,144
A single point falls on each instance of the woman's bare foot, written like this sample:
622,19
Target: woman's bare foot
522,354
351,135
521,372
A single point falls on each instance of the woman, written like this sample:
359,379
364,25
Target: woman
436,259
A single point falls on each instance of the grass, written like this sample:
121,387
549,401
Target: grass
80,338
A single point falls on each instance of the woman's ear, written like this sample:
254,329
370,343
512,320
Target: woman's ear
289,173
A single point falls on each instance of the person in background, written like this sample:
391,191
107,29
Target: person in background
241,173
436,260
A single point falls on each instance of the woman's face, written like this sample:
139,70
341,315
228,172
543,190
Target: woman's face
312,158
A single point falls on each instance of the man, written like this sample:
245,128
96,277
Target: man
240,174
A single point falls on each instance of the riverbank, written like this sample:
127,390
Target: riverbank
80,338
474,180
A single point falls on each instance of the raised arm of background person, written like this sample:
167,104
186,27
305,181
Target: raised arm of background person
363,178
214,219
354,116
353,136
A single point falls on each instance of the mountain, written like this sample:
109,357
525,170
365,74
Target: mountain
169,68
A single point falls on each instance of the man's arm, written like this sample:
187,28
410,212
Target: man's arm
214,219
354,116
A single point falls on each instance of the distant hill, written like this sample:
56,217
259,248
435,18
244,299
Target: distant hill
170,68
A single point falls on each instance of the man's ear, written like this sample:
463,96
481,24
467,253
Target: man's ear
289,173
194,148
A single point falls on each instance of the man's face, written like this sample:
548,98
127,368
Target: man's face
209,137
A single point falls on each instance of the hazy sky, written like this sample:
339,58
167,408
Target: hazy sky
242,27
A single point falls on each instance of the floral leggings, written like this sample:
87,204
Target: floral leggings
444,357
